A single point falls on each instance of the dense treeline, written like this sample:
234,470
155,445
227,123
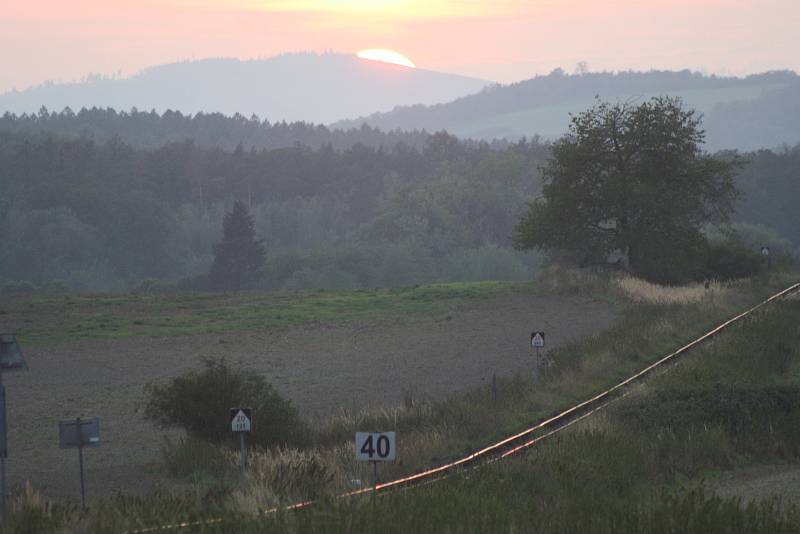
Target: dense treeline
770,186
144,129
105,216
91,215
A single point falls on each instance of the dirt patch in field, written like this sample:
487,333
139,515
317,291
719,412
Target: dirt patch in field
322,368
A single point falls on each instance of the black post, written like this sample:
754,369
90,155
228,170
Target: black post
375,476
3,453
80,460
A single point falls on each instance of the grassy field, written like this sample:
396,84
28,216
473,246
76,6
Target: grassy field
639,467
77,317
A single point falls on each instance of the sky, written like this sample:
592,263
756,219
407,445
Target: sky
500,40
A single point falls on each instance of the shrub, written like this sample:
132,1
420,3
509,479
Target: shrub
200,403
54,287
731,259
154,285
18,288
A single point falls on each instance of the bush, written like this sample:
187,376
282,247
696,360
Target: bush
730,259
200,403
154,285
18,288
54,287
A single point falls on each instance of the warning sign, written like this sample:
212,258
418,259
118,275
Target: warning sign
537,340
241,419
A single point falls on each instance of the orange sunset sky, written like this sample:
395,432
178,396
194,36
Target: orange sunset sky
503,40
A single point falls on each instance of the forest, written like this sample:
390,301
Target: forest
104,216
149,129
85,214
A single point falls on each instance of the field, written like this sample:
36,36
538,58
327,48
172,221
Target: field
702,446
328,352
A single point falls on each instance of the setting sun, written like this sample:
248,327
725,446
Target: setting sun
386,56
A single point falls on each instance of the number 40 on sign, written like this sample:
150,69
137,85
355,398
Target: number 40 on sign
375,446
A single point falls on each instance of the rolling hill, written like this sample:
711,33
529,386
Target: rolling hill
759,111
291,87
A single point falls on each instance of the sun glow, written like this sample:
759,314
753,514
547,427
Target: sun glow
386,56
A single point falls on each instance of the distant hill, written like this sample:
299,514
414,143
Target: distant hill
745,113
291,87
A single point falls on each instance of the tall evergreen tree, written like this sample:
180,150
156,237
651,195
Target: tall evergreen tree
238,258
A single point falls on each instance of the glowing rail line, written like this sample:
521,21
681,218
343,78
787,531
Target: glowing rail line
512,444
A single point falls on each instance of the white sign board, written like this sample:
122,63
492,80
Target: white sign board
241,419
537,340
765,251
375,446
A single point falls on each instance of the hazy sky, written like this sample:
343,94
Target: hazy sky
504,40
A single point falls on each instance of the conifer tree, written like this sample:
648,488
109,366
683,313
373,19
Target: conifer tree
238,258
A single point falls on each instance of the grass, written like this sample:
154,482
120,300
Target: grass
430,433
639,467
69,318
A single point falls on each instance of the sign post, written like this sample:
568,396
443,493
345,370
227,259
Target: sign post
241,422
765,253
376,447
537,343
76,434
11,359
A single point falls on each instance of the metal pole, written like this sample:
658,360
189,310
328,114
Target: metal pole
80,461
241,453
374,474
3,484
3,453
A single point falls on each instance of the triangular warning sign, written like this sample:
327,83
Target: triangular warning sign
240,420
537,339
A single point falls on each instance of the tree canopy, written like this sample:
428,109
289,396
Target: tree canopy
631,181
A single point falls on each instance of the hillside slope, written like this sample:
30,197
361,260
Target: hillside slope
767,104
291,87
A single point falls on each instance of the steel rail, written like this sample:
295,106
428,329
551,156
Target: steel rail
514,443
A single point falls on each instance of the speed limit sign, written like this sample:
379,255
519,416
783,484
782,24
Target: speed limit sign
375,446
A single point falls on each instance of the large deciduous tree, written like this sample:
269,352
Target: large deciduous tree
239,257
631,181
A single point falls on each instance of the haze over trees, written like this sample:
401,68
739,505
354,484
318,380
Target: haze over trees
105,214
148,129
281,88
758,111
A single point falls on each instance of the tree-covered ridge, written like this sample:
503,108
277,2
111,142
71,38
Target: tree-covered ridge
758,111
284,87
149,129
104,216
